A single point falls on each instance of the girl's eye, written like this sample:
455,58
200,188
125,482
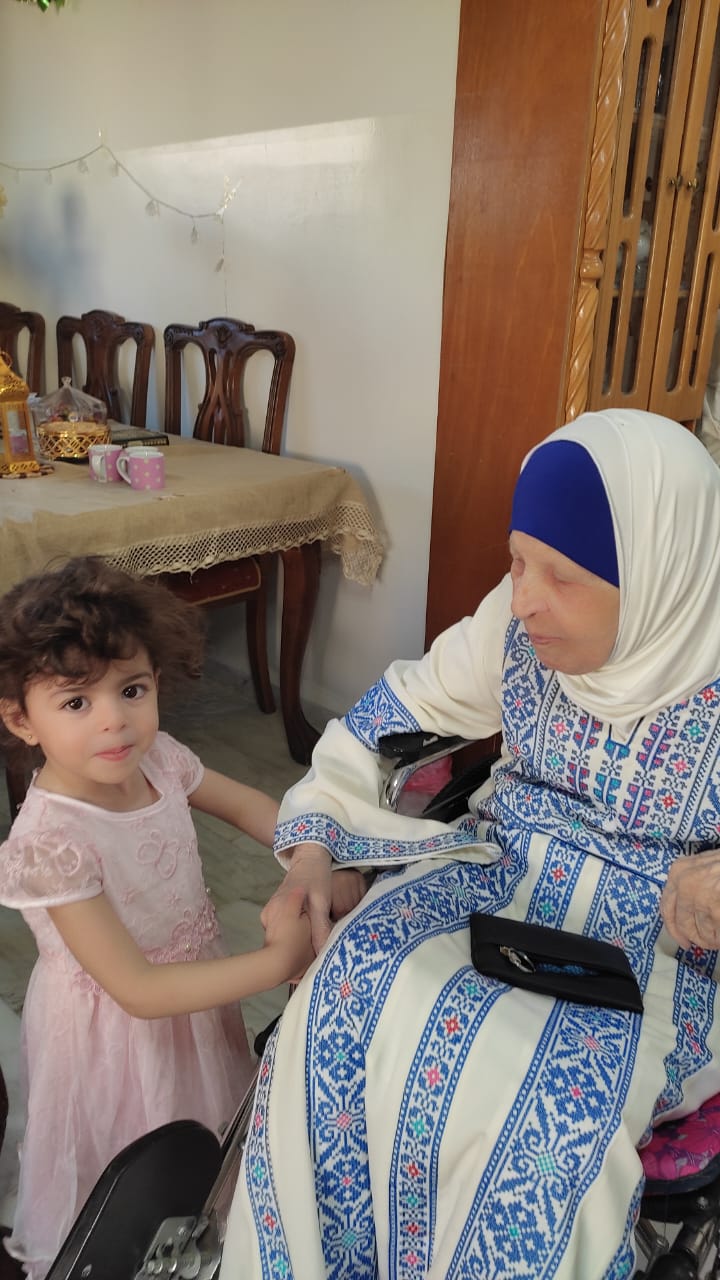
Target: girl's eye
75,704
134,691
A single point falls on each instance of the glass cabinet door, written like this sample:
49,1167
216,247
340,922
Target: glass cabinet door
661,284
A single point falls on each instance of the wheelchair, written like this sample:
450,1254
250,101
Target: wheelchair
158,1209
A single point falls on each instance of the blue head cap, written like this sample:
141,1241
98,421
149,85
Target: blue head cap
560,499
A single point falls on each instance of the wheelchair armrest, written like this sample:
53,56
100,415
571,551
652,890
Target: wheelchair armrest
410,751
452,801
417,748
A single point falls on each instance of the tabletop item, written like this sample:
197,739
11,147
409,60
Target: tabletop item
142,468
103,459
68,422
17,453
125,434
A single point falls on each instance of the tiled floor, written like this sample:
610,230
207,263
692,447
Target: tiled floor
219,719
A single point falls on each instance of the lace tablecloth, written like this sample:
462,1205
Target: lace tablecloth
219,503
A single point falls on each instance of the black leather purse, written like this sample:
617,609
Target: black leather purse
567,966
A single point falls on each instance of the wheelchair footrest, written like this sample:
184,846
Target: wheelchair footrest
184,1248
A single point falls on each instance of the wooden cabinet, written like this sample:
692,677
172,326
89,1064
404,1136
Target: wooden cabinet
660,286
583,243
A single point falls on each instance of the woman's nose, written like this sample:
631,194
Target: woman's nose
527,596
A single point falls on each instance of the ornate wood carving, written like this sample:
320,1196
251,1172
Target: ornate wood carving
597,208
103,333
226,346
12,322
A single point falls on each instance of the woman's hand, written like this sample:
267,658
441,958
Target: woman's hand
348,888
310,872
690,904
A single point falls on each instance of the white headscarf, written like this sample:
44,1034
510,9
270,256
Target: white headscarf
664,493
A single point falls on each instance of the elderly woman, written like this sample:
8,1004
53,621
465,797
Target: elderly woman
417,1118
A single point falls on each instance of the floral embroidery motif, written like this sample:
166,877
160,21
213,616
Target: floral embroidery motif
379,712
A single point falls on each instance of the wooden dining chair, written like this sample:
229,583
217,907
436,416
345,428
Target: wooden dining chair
103,334
14,322
222,418
227,346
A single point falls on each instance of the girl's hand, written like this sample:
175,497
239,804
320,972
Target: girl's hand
690,904
348,888
310,872
289,937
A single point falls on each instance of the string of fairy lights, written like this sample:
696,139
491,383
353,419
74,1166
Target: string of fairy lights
154,204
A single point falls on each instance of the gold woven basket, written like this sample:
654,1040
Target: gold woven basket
70,441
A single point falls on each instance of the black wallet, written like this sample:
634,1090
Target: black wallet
567,966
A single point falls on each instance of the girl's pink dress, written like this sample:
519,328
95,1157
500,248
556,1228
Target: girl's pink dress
98,1078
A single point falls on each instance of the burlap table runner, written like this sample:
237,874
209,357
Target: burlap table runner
219,503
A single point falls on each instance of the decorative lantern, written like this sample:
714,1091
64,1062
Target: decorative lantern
17,455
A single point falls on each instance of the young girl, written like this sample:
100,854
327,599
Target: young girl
121,1033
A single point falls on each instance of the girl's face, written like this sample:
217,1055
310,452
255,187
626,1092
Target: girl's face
92,735
571,616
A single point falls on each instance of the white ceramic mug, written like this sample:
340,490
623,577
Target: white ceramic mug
142,467
103,460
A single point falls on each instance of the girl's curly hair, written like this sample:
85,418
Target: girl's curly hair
74,620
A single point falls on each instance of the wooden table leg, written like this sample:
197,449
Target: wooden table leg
301,578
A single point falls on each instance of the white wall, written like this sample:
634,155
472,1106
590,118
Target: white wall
334,119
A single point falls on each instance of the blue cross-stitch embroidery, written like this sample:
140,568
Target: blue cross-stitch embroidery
379,712
572,805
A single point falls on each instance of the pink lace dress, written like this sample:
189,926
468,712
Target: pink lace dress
98,1078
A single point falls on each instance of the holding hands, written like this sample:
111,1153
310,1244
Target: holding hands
327,895
690,904
288,938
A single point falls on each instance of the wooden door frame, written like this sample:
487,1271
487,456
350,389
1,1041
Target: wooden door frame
535,121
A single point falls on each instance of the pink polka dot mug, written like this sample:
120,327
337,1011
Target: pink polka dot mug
142,467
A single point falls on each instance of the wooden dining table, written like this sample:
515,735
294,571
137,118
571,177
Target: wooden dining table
219,504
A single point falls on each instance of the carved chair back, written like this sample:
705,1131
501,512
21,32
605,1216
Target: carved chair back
13,322
103,334
226,347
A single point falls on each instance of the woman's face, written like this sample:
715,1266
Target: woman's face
570,615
